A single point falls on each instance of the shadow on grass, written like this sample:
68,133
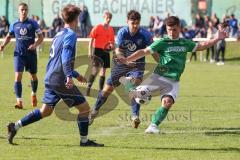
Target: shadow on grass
227,149
223,131
32,138
232,59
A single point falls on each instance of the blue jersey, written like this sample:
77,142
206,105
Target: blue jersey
131,43
24,33
61,60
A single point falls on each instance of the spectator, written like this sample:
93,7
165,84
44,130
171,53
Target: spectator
151,24
4,26
210,35
215,20
225,19
190,34
158,23
83,19
220,48
57,25
200,24
233,23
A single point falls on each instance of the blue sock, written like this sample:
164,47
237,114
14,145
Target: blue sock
100,101
31,117
83,125
34,85
135,108
18,89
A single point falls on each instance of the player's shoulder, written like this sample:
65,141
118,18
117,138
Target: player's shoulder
99,26
69,33
32,21
123,30
184,40
16,21
144,32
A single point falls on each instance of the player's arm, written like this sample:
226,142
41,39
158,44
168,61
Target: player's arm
138,54
79,77
37,43
67,63
222,34
67,60
39,39
155,57
119,53
6,41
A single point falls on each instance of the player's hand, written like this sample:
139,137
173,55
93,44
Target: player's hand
1,47
32,47
69,84
123,60
82,80
223,31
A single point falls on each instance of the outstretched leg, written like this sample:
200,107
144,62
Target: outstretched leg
32,117
101,99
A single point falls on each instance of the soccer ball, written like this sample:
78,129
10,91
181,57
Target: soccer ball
143,96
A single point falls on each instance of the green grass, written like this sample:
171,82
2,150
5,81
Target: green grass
203,124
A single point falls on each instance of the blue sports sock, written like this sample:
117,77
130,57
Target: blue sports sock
31,117
100,101
18,89
34,85
83,125
135,108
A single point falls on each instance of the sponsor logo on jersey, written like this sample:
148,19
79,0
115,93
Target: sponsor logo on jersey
176,49
129,45
23,31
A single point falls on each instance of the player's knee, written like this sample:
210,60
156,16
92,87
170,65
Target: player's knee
18,76
103,72
84,109
167,101
46,111
107,90
33,77
95,70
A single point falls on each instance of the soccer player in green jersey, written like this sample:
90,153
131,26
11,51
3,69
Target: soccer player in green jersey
170,53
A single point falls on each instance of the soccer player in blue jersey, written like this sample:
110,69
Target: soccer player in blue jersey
58,81
129,39
25,56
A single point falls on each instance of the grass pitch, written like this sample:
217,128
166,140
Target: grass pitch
203,124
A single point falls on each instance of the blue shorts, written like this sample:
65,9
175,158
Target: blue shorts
28,62
116,73
53,94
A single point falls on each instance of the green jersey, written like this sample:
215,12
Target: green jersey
172,56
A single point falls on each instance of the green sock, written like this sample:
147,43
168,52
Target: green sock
159,115
129,86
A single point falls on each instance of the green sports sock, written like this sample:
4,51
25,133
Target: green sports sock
159,115
129,86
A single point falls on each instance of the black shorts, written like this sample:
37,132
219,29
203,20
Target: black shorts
101,58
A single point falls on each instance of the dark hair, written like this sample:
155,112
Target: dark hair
133,15
107,13
70,13
173,21
23,4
